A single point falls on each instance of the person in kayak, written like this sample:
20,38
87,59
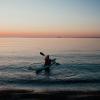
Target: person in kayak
47,64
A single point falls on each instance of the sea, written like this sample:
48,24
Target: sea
79,60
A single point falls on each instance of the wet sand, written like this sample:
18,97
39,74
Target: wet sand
21,94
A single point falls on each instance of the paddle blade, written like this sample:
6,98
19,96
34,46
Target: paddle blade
42,53
57,63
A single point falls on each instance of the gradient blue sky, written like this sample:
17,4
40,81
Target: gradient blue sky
70,18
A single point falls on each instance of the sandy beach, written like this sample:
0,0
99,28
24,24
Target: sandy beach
21,94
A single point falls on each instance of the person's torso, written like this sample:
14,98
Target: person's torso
47,62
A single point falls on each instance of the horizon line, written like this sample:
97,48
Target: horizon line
48,37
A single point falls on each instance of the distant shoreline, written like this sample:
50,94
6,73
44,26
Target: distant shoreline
49,37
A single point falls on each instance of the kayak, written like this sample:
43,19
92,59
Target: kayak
43,67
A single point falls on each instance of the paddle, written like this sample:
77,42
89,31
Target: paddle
41,53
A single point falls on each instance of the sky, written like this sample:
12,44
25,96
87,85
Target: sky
49,18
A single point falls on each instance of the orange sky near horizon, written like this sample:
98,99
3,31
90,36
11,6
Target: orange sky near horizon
30,35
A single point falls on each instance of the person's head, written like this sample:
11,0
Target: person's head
47,56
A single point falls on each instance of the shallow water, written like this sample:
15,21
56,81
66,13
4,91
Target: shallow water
79,60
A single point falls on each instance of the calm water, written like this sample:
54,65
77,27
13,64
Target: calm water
79,59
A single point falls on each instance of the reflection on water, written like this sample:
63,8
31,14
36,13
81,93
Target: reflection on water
66,49
32,46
